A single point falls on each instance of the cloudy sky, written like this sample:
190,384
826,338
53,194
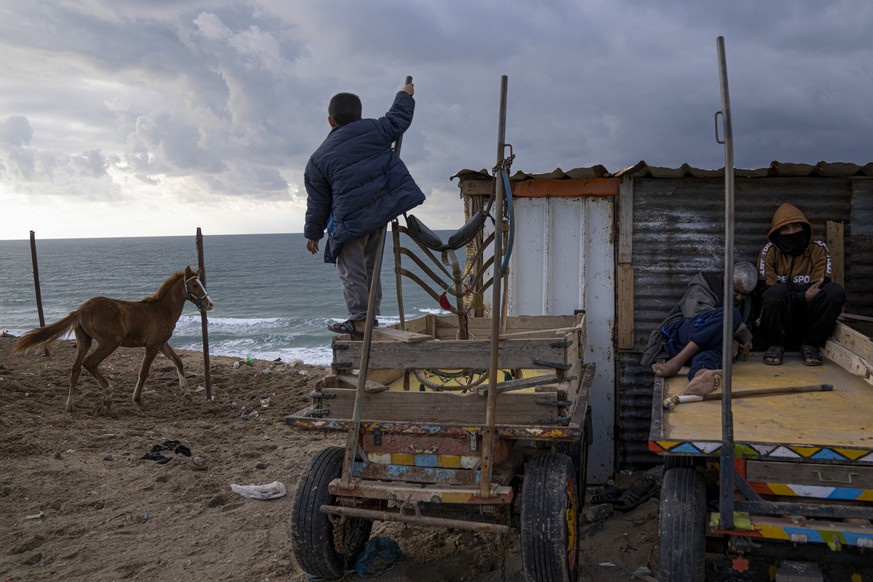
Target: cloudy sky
154,117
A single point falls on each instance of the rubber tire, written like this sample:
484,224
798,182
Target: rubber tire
682,526
549,519
312,532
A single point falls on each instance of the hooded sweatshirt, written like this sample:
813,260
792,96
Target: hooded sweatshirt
797,267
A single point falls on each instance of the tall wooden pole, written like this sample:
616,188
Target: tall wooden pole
35,263
488,436
726,462
204,324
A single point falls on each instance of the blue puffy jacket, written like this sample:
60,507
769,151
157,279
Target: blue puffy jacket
356,176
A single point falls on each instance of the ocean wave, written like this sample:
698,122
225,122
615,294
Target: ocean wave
220,323
245,348
433,311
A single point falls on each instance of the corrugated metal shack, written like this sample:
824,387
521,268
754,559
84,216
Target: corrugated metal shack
662,226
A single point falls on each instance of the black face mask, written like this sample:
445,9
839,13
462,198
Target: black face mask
793,244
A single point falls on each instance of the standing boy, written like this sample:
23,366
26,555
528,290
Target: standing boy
355,185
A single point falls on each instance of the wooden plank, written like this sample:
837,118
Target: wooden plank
810,474
624,315
856,317
854,341
539,332
544,187
348,380
514,353
398,335
351,381
521,384
848,360
626,220
835,241
480,327
439,407
860,323
578,338
566,188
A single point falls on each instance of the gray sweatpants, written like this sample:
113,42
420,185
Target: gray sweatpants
354,265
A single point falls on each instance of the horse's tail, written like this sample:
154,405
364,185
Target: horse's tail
42,336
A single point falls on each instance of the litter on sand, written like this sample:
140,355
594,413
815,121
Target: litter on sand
272,490
155,453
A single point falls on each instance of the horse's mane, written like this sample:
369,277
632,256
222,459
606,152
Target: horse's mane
165,286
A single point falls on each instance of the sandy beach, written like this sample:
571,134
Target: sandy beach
79,502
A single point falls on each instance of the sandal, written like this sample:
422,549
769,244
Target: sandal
633,496
347,327
811,355
609,494
774,355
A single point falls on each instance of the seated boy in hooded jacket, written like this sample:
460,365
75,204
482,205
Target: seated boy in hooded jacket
355,181
800,304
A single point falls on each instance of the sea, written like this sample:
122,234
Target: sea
273,299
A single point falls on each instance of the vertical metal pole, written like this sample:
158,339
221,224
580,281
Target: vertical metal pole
726,472
35,263
491,407
355,430
204,324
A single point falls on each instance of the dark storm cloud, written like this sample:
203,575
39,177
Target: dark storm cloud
232,96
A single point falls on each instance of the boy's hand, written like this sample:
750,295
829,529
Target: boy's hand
740,350
409,89
813,290
312,246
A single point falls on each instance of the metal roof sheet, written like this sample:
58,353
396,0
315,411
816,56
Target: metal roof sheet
641,169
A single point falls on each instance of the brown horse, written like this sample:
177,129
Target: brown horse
148,323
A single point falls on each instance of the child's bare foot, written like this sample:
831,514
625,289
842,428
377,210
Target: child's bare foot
668,369
704,382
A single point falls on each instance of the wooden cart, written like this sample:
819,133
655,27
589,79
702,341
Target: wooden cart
803,481
422,441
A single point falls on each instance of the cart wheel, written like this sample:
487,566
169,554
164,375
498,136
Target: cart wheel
549,534
682,526
324,546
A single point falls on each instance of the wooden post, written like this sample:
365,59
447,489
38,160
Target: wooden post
33,259
624,316
204,324
835,241
395,237
489,431
726,458
625,306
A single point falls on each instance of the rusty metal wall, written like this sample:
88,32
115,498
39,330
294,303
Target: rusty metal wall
859,267
678,230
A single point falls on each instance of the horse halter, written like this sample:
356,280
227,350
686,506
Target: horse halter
198,301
